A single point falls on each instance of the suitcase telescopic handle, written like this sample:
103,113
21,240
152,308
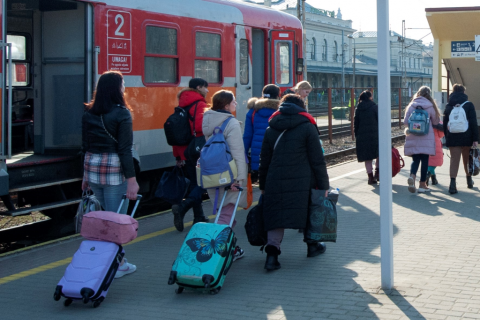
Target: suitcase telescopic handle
124,197
240,190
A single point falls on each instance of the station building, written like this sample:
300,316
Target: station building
454,31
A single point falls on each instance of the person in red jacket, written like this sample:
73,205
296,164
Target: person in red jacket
193,96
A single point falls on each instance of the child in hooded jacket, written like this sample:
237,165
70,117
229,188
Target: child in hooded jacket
256,123
437,159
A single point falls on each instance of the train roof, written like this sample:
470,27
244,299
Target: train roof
224,11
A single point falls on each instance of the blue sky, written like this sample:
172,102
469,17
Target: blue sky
364,14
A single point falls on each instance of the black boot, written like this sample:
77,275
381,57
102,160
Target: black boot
377,174
371,179
428,178
179,211
469,182
453,186
198,215
315,249
434,179
272,258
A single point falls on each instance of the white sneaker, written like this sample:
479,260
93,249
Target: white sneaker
423,190
411,185
125,269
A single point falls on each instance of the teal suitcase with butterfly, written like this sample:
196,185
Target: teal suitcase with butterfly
206,256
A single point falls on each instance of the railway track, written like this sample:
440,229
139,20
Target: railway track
34,233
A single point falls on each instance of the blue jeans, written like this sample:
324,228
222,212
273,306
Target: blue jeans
110,196
416,163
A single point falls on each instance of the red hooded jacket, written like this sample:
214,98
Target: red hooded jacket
185,98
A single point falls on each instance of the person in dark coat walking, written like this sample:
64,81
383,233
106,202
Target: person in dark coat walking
366,134
291,164
460,143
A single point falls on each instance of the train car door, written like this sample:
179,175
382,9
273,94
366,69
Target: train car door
3,111
243,44
64,59
282,58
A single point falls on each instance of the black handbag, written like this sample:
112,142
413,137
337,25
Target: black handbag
192,152
255,226
322,217
173,186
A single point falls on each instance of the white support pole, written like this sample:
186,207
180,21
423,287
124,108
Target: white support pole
385,144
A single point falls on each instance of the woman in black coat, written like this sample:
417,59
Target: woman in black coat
291,164
460,143
366,134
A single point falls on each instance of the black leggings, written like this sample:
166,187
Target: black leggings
416,162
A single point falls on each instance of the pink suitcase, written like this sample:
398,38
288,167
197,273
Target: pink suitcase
110,226
92,269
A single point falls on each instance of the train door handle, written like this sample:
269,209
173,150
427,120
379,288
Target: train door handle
249,88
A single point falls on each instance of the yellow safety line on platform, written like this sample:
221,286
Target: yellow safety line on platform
66,261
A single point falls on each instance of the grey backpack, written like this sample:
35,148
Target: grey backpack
88,204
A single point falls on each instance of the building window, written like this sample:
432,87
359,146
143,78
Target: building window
208,60
161,58
324,51
283,65
335,51
314,49
244,71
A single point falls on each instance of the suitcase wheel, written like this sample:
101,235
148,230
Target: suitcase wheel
173,277
58,293
97,303
179,290
67,302
86,294
215,291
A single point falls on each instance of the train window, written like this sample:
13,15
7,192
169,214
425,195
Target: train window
161,59
21,66
208,51
208,45
283,62
244,76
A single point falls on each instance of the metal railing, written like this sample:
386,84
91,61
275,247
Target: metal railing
334,111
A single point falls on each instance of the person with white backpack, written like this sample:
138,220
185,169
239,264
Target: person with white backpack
219,119
461,133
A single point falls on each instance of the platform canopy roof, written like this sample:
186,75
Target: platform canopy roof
458,23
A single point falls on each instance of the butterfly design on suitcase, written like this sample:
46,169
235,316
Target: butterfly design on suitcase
207,248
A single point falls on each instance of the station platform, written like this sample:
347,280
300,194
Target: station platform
436,265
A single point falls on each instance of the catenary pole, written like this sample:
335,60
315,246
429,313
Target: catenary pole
385,144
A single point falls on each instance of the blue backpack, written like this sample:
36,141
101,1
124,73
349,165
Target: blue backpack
419,122
216,167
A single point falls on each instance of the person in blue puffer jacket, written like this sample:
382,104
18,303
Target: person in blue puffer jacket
256,123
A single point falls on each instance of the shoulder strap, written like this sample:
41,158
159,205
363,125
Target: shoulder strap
278,139
224,125
101,118
194,116
461,106
253,115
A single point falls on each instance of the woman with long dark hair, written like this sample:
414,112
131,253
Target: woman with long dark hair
366,134
107,139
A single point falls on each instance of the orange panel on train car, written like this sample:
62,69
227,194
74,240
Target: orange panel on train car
153,105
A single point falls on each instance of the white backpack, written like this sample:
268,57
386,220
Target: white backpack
458,122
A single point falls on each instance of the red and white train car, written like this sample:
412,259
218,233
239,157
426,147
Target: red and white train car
59,47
